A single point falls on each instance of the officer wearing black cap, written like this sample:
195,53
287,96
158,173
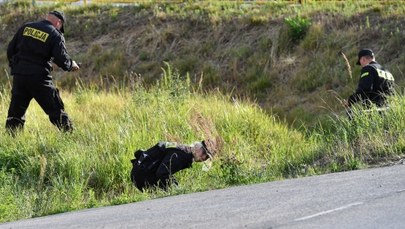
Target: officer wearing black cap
375,84
60,16
30,54
155,167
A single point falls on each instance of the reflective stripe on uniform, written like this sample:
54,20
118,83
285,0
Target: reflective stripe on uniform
364,74
171,145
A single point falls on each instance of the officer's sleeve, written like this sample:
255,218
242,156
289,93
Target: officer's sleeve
60,55
12,47
364,87
366,80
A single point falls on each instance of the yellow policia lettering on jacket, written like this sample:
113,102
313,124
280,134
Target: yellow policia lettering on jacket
381,73
35,33
384,74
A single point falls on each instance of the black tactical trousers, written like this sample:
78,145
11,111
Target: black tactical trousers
41,88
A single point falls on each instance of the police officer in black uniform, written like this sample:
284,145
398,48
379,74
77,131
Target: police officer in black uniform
30,54
155,167
376,83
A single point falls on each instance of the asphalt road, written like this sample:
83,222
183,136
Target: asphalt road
371,198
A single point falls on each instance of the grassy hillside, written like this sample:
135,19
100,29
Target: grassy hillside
284,56
233,69
43,171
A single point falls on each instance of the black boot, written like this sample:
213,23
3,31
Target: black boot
13,125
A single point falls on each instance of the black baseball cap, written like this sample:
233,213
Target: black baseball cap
364,52
61,16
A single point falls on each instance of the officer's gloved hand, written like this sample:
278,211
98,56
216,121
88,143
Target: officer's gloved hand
75,66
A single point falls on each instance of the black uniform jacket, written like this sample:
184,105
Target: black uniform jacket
374,85
170,157
34,47
176,158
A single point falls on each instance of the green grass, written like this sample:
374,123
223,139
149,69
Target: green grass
284,56
220,60
43,171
